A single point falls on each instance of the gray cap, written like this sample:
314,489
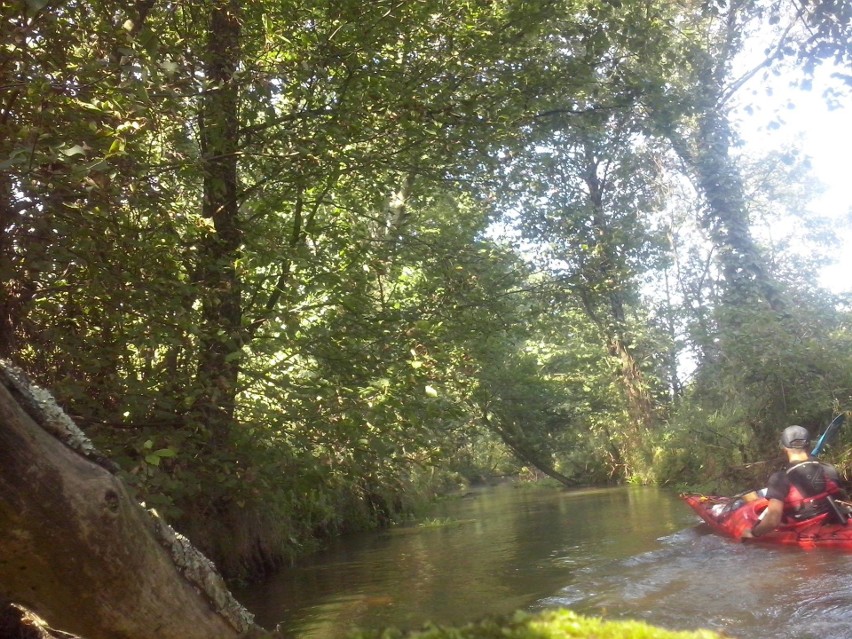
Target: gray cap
795,437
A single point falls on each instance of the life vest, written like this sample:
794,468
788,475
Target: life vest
801,501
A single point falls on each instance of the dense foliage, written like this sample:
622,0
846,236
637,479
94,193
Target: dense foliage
298,266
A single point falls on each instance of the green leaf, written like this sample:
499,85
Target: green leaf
74,150
116,147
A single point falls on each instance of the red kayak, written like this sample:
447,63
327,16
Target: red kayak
731,516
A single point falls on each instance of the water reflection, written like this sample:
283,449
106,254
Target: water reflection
625,553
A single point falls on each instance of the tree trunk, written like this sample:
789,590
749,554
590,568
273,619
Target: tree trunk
9,299
9,138
80,552
726,220
524,449
603,294
702,137
222,332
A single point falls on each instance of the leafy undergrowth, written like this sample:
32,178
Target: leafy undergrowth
557,624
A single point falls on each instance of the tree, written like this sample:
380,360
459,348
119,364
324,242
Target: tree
583,194
217,279
210,179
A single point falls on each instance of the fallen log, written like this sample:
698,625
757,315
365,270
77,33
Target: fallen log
79,552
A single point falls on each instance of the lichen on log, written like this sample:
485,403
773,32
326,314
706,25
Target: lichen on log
42,407
199,570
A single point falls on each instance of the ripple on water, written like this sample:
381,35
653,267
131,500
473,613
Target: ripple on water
695,580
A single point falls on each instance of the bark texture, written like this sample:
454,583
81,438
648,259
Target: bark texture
79,552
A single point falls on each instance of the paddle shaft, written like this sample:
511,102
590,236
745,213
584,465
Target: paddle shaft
832,428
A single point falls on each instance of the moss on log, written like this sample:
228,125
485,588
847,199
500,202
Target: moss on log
554,624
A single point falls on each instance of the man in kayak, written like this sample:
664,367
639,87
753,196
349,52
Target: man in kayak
805,489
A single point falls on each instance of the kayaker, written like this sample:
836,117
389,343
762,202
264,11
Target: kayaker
805,489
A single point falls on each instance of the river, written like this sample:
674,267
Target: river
622,553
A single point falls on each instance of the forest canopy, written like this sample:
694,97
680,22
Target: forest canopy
296,266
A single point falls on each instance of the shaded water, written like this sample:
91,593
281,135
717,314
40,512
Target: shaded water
635,553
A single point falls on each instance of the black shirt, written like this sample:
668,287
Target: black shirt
810,478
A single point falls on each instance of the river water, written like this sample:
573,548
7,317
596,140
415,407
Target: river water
623,553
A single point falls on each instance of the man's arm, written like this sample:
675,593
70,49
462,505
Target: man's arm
770,519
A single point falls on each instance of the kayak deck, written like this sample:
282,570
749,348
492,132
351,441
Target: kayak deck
731,517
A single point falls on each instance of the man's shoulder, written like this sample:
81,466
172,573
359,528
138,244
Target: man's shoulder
829,469
778,484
